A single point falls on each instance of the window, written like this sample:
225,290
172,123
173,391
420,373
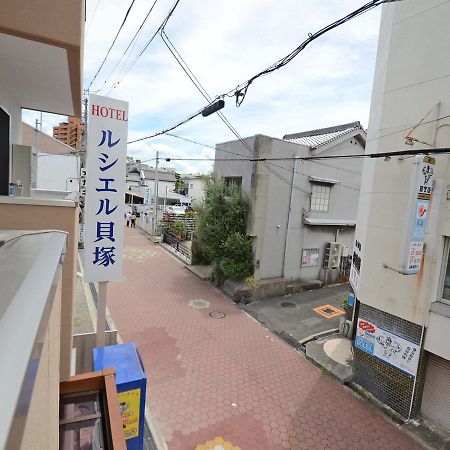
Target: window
320,197
233,181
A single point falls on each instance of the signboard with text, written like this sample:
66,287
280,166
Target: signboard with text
417,214
105,188
387,346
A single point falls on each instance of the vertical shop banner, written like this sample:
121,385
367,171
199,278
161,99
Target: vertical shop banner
355,267
387,346
417,214
105,188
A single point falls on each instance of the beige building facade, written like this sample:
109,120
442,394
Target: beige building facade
406,316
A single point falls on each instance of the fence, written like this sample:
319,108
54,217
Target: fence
177,244
172,218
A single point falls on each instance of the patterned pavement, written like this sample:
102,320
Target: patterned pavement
218,380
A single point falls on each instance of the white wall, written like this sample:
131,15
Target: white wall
196,190
411,78
57,172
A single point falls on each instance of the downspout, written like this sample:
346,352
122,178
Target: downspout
289,217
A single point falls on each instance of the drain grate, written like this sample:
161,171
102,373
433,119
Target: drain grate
328,311
217,315
288,305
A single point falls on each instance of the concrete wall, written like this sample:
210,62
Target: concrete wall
411,78
42,142
41,428
34,214
57,172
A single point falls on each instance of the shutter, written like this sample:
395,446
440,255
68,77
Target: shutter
436,393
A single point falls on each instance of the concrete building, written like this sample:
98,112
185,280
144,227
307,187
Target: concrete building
401,261
297,206
70,132
41,54
56,166
195,188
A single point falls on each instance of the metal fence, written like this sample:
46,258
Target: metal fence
177,244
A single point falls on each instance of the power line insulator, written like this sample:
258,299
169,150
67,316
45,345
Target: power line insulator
214,107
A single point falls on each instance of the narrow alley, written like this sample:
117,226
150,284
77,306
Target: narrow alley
217,379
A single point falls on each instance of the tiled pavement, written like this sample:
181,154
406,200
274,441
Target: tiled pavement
218,380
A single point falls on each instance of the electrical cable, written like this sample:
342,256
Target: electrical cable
113,42
182,63
92,18
163,24
136,35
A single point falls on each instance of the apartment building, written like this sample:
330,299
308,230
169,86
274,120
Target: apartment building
70,132
41,49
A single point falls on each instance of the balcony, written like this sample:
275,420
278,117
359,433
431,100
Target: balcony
41,46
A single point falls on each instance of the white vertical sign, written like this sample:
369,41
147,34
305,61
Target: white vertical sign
105,188
417,214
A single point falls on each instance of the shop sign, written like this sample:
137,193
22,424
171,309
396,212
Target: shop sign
417,214
105,188
386,346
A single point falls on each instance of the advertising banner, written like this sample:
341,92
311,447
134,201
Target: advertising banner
418,211
105,188
387,346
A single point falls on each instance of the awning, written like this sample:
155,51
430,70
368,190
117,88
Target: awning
323,180
330,222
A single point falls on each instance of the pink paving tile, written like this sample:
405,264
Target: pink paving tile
229,377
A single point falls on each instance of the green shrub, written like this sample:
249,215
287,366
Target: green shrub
179,228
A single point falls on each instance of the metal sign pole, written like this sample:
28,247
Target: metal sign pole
101,314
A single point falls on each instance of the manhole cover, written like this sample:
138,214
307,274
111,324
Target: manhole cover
217,315
288,305
328,311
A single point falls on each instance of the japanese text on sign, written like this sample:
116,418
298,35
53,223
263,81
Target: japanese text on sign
105,188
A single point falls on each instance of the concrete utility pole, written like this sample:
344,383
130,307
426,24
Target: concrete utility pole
155,197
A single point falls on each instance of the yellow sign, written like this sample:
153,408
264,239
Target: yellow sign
129,402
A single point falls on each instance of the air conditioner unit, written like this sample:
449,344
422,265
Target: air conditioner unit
333,248
345,251
332,262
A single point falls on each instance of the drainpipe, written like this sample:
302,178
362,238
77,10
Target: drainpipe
415,378
289,217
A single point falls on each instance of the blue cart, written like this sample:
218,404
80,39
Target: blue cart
131,381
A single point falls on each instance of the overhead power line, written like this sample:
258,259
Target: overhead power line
134,61
113,42
135,36
422,151
187,70
240,91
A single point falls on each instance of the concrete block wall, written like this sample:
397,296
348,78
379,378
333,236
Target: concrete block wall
389,384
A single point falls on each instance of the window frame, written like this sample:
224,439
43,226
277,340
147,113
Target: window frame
318,198
443,273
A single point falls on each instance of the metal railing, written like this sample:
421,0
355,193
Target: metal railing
177,244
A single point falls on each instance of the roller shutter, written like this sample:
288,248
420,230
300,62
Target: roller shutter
436,393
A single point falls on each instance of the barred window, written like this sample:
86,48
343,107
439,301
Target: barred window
320,197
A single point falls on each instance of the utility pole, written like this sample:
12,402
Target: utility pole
155,197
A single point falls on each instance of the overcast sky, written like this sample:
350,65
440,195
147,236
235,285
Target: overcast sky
225,42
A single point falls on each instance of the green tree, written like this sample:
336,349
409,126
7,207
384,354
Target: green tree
179,182
221,230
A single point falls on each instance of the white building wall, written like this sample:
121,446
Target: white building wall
57,172
411,78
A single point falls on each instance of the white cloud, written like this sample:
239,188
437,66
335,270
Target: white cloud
225,42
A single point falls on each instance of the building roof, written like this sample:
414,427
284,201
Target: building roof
322,136
162,175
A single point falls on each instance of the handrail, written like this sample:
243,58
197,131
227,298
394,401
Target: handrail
30,267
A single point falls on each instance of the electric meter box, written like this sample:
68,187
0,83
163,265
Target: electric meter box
131,381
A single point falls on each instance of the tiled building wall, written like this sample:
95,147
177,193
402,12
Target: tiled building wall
388,384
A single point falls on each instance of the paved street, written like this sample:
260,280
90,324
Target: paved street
218,380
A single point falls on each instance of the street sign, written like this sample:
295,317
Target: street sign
105,188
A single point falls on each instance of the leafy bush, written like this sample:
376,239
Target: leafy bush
237,262
179,228
190,214
221,231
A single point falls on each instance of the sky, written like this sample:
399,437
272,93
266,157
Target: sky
225,42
